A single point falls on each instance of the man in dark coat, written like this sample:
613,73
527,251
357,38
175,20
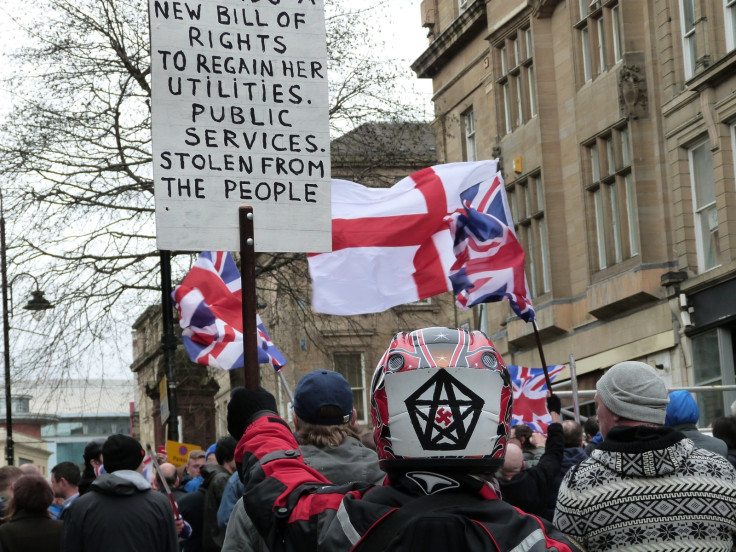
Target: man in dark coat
215,480
529,488
573,454
121,512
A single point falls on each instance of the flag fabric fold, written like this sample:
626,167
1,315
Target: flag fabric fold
445,228
530,396
209,302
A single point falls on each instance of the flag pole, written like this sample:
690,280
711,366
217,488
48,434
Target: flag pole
541,356
248,291
286,387
574,383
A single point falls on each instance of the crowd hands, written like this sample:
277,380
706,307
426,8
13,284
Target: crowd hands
325,483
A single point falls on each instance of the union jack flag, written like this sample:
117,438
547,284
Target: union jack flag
489,263
209,301
530,396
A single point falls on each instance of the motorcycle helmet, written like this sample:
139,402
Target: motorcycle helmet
441,400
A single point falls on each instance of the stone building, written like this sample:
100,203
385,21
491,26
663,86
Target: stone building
196,386
615,122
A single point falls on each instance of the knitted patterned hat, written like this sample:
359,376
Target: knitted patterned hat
634,390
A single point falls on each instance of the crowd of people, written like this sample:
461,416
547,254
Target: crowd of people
443,468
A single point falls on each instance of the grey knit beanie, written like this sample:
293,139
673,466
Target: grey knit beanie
633,390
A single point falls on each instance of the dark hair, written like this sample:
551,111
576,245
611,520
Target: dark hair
67,470
8,475
590,426
521,430
572,433
724,428
31,493
225,449
92,451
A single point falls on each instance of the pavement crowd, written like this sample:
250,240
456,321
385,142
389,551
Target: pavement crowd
443,468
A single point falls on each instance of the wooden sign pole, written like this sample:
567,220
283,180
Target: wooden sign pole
248,290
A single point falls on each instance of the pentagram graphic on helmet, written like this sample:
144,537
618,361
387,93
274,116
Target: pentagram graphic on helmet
444,412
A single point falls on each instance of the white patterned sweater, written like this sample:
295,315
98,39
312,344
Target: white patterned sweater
647,489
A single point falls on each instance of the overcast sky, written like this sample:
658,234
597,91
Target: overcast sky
403,37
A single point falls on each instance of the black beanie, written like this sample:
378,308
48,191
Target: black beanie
121,452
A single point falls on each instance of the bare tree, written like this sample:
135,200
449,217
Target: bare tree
75,159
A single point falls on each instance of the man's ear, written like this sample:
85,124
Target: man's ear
354,417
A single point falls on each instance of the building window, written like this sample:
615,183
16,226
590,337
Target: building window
599,31
707,371
587,62
612,197
601,40
516,85
351,365
704,206
526,201
533,92
507,108
730,16
616,27
469,125
687,18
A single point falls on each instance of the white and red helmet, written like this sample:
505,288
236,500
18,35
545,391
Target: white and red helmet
441,399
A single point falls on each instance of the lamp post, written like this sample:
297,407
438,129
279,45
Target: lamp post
37,304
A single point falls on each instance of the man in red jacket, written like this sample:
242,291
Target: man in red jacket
441,404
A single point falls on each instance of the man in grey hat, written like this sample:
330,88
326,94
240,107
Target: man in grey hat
645,485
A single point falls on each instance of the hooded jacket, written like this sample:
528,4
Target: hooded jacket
120,512
683,415
649,488
349,461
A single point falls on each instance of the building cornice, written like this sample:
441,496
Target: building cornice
721,70
452,39
542,9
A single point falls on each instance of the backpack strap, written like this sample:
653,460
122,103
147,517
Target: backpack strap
383,532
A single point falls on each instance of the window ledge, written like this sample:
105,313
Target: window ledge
623,292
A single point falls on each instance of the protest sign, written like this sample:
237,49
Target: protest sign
240,116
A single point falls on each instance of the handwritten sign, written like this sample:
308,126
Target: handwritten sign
240,116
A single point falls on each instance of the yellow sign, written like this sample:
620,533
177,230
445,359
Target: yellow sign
163,396
178,453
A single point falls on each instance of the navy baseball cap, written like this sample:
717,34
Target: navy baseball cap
323,388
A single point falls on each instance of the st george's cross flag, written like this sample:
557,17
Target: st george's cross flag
443,228
209,302
530,396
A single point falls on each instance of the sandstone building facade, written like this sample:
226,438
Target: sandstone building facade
615,122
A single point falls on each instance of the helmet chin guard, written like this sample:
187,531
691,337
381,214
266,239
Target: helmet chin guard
441,400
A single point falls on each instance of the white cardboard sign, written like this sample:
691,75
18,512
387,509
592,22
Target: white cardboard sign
240,116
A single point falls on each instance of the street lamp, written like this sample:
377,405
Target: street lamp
38,304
